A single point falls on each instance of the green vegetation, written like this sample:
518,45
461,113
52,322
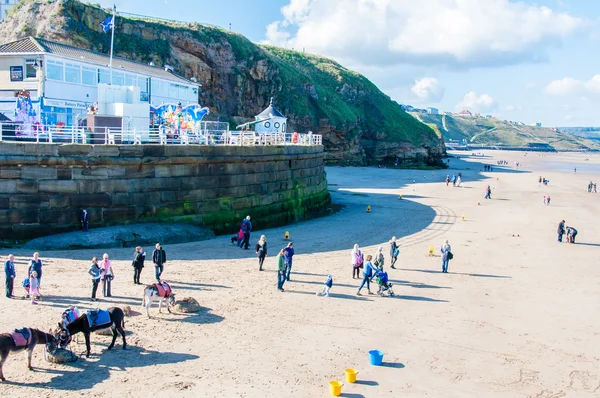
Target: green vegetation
492,131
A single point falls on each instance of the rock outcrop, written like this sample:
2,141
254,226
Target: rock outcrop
360,124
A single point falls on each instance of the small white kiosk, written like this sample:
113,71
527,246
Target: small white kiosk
270,121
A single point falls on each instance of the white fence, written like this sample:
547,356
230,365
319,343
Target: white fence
211,133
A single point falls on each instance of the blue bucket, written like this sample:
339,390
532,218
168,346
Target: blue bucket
376,357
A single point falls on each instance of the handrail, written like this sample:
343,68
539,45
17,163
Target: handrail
12,132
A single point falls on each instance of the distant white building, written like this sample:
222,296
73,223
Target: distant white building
5,6
433,111
270,121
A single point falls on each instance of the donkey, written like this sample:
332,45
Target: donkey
161,292
24,340
115,321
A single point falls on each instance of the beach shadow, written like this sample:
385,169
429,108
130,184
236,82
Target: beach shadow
427,271
350,395
332,295
587,244
187,285
320,283
116,360
204,317
420,298
417,285
396,365
366,383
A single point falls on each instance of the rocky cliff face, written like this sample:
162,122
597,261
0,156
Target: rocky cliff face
359,123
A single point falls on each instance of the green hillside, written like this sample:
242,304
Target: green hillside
493,131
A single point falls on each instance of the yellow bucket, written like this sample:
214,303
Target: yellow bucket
351,375
336,388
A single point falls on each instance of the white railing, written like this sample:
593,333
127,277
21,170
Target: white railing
211,133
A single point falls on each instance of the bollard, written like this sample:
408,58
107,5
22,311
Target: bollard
368,208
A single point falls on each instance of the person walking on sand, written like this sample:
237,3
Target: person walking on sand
247,228
10,274
159,259
280,270
446,256
35,264
548,201
561,230
394,252
356,259
488,192
288,254
34,287
138,264
261,251
368,273
379,259
447,180
95,271
107,275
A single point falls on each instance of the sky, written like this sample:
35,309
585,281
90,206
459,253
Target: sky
529,61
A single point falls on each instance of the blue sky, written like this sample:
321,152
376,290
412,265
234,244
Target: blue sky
531,61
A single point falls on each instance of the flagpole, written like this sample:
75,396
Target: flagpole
112,39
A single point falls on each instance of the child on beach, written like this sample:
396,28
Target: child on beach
548,201
544,199
328,285
34,287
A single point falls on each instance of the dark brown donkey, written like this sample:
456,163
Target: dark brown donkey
23,340
115,321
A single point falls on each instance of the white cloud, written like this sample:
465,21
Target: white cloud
477,103
565,86
428,89
570,86
459,33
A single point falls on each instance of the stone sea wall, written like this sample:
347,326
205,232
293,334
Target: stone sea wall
44,187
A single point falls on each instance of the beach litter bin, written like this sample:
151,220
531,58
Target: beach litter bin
335,387
376,357
351,375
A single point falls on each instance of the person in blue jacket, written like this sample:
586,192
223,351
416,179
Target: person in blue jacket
327,287
368,273
9,272
287,257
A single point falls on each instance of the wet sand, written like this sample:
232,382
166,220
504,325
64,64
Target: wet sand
517,316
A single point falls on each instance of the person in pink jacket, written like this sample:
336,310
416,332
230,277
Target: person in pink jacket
357,261
107,275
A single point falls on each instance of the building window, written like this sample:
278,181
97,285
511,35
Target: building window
118,79
103,76
73,73
89,76
30,70
142,83
276,125
54,70
267,125
129,80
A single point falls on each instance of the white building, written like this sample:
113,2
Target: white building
6,5
270,121
433,111
62,81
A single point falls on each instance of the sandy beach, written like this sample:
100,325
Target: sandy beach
516,316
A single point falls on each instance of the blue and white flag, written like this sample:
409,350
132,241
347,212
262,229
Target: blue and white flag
107,24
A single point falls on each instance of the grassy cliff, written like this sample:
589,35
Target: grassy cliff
493,131
360,124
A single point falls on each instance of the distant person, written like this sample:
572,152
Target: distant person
159,259
394,252
138,264
356,259
540,182
280,270
10,274
35,264
261,251
379,259
107,275
368,273
548,201
544,199
458,180
446,256
447,180
246,226
96,274
575,170
571,234
327,287
84,220
288,254
453,180
561,230
488,192
34,286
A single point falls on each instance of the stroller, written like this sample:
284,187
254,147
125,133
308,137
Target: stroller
384,285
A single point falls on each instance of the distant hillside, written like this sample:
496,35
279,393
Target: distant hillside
359,123
484,131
